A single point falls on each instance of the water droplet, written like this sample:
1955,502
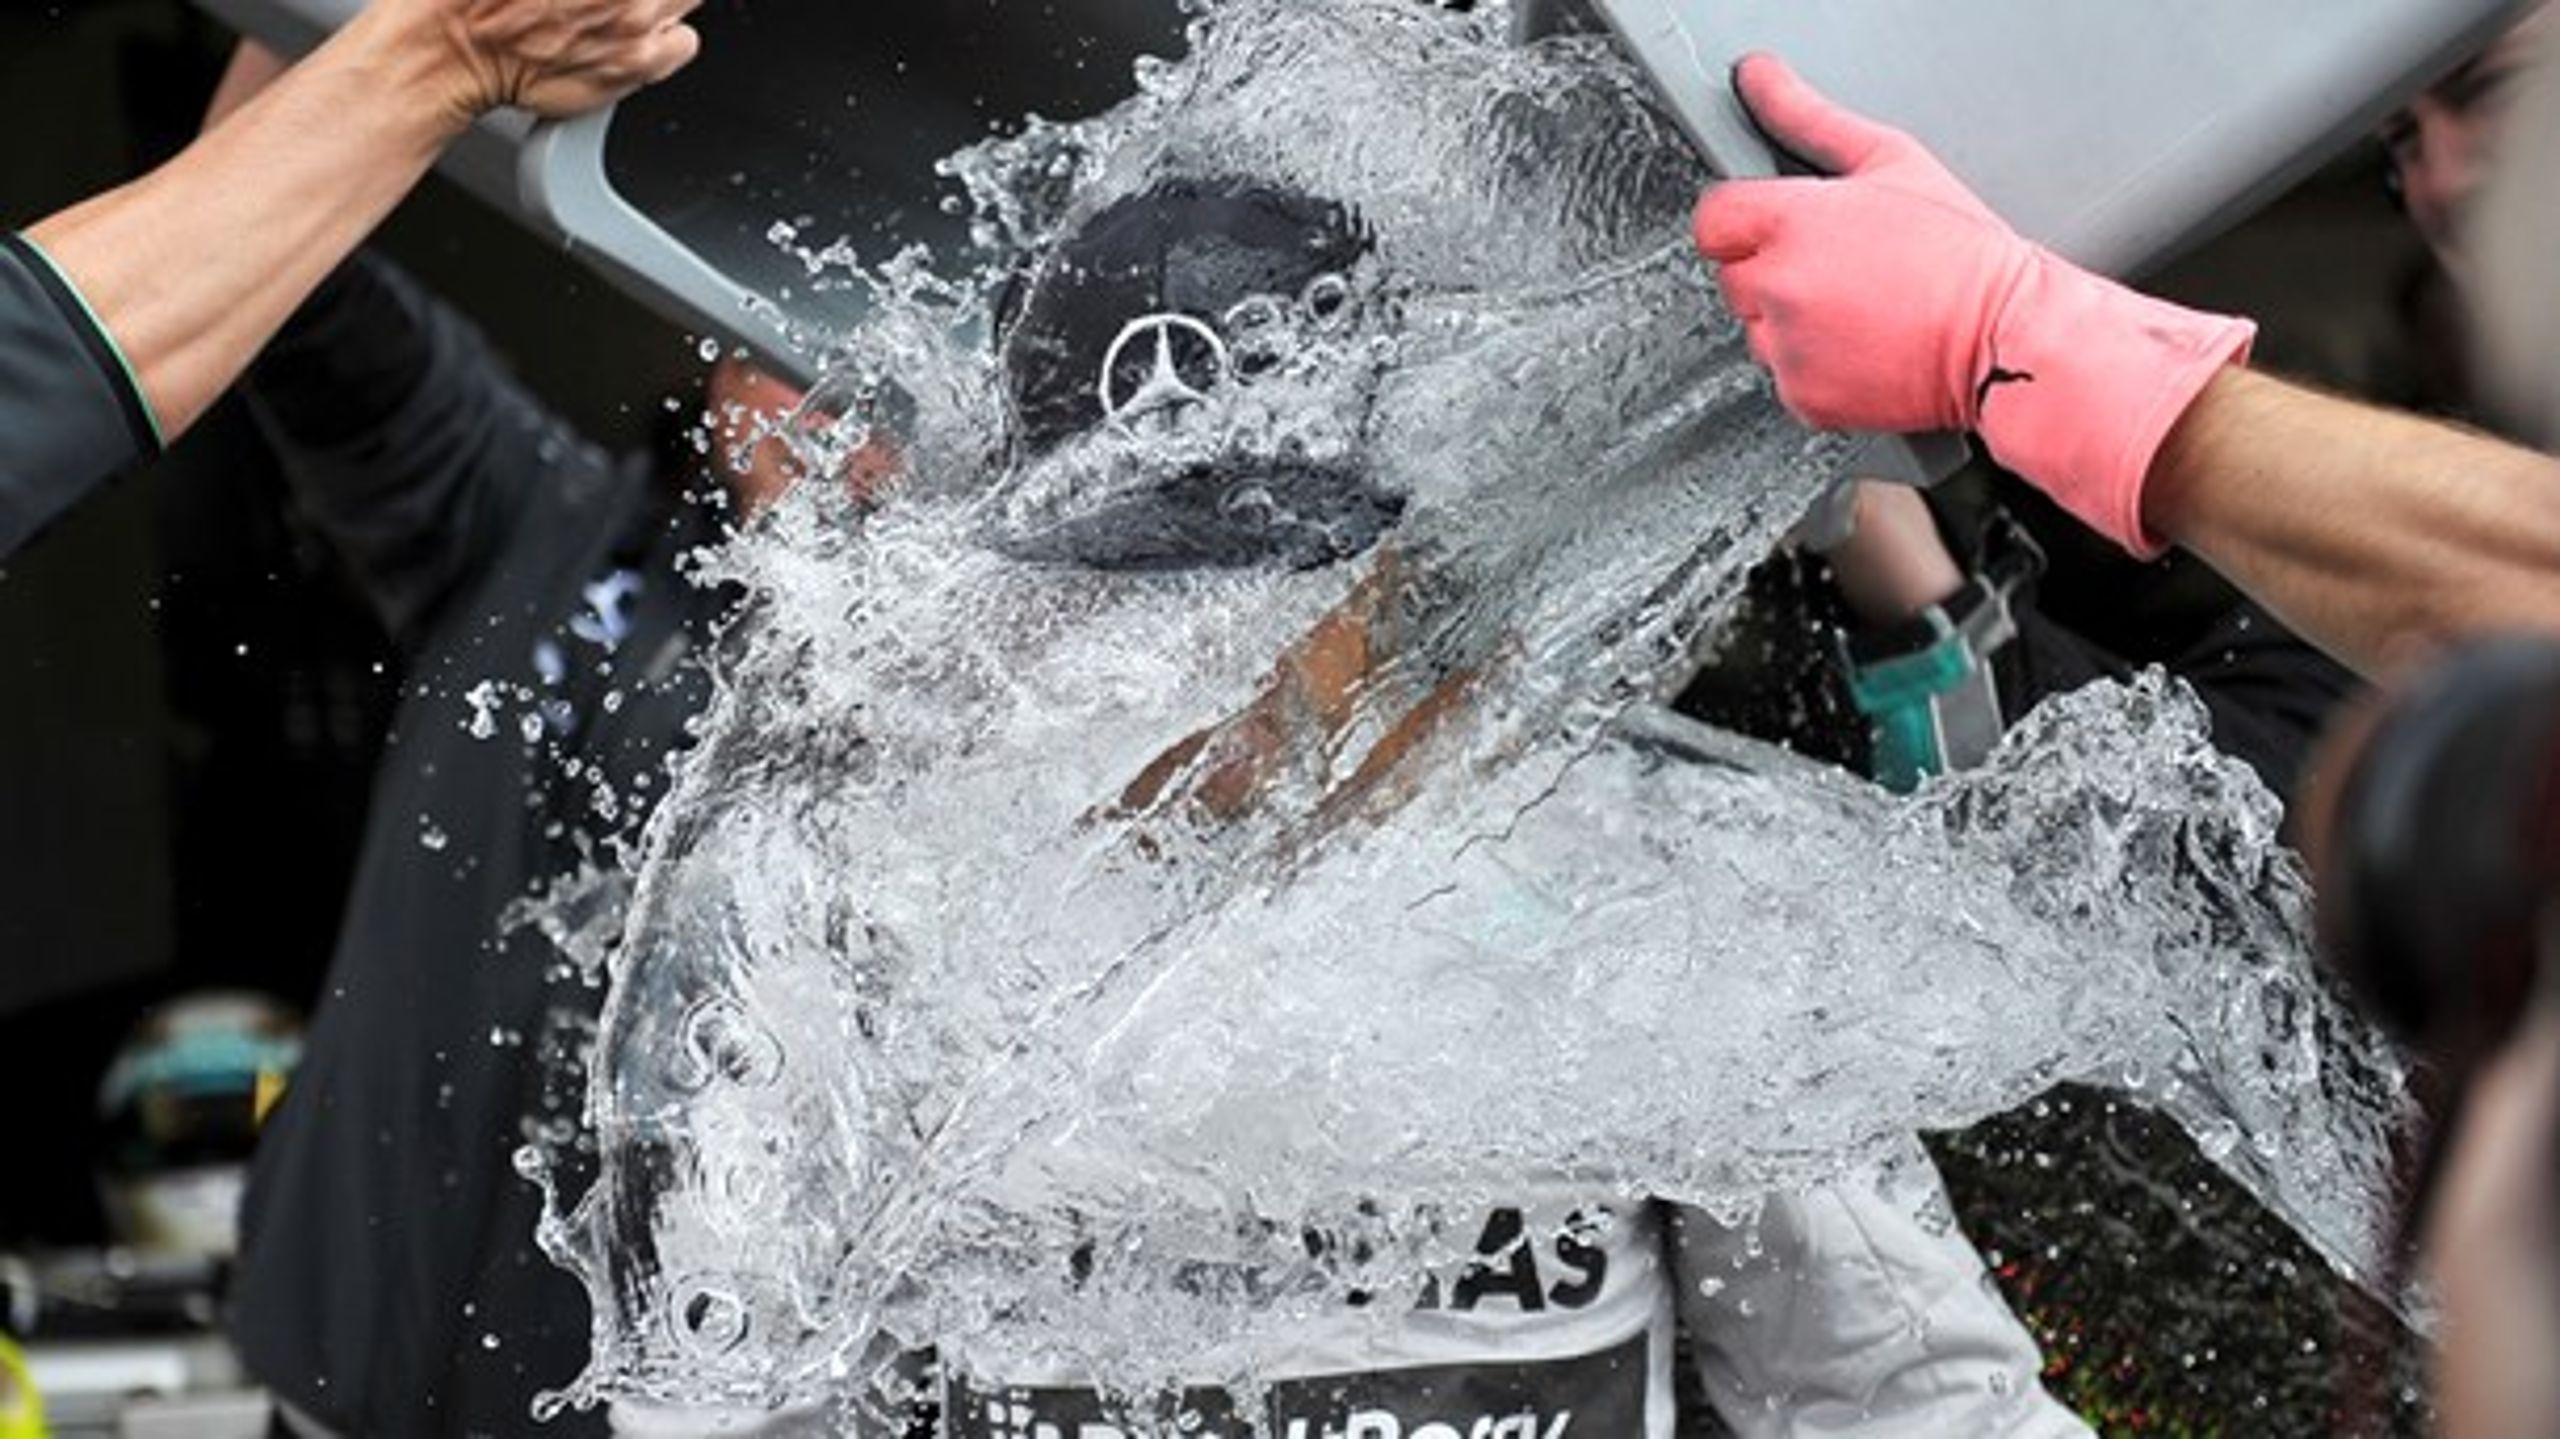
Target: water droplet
725,1042
1326,299
710,1321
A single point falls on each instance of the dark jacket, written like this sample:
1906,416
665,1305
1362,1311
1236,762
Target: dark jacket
2099,613
71,414
390,1283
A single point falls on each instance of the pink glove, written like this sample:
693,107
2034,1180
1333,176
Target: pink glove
1890,299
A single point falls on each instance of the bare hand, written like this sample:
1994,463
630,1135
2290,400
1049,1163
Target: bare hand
554,57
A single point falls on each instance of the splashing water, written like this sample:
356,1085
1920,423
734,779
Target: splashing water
1013,910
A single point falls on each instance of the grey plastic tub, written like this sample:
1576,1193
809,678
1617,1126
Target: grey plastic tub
825,114
2117,132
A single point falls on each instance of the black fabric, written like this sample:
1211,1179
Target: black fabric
1773,669
69,416
389,1283
414,468
2099,613
1156,302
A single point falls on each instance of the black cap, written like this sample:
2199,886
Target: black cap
1144,292
1187,247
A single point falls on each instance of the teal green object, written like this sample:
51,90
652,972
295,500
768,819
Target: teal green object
1899,697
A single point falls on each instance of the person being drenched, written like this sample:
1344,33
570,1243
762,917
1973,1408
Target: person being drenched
1205,812
1840,1310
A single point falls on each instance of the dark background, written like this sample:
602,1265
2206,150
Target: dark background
190,698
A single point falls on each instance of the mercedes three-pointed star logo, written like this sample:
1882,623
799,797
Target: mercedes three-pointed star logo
1189,360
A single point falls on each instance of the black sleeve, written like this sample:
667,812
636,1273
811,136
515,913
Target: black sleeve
71,413
2268,692
404,437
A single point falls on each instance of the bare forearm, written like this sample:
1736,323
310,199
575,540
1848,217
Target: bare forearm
1894,563
2378,536
194,266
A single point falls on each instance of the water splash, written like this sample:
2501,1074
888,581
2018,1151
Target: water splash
1036,953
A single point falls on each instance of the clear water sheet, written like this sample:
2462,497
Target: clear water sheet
1034,953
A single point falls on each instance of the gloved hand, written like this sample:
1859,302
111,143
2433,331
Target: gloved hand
1890,299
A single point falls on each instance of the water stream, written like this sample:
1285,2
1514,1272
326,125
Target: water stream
1022,902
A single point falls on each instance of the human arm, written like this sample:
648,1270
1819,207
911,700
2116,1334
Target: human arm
182,275
1296,735
1889,298
1893,563
402,434
2376,535
68,414
1844,1311
194,265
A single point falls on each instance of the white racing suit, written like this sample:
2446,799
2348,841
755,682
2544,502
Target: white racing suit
1837,1313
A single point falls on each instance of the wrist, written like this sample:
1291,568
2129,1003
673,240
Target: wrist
2086,383
2170,492
413,66
1894,564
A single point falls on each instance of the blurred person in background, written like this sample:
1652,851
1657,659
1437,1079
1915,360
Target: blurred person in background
124,316
2435,839
1845,1310
2441,146
2450,828
2437,150
390,1282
